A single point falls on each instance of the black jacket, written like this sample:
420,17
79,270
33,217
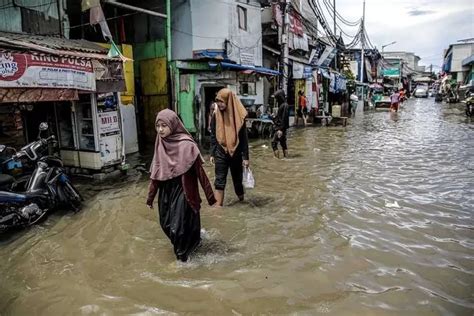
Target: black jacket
242,148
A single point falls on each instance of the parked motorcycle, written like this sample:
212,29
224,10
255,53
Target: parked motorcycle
469,101
47,189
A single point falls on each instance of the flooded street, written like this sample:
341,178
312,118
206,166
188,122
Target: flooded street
370,219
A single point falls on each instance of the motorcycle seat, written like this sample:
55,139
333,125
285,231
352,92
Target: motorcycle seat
6,179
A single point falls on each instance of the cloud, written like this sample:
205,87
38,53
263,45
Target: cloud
418,12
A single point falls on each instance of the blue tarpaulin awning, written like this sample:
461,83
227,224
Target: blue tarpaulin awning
262,70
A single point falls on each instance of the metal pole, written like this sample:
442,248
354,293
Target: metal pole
168,29
334,12
133,8
284,46
60,16
362,47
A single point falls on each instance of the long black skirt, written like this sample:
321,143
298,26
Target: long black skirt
179,221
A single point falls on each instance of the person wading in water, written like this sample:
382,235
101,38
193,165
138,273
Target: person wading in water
281,124
229,143
175,171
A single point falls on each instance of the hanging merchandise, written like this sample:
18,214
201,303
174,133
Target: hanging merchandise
332,84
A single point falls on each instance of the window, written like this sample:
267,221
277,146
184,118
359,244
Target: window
242,14
248,88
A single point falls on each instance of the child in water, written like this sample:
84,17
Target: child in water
175,171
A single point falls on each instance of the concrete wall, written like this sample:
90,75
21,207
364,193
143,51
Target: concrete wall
181,38
210,23
246,41
207,24
460,52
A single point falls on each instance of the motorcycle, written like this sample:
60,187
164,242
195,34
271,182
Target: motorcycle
47,189
469,101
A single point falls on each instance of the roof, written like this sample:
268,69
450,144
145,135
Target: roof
52,45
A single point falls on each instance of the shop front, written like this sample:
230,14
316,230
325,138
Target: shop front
78,96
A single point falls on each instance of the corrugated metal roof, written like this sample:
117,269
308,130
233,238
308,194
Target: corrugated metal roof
52,43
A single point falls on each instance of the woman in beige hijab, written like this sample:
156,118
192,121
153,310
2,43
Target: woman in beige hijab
229,143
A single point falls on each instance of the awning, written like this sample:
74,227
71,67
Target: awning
14,95
467,61
261,70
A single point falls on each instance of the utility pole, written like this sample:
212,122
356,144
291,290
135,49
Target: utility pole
362,46
335,34
284,45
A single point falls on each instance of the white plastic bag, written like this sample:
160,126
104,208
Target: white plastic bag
248,180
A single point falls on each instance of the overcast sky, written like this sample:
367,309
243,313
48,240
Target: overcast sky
425,27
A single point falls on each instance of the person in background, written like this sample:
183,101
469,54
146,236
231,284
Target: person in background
302,107
402,95
229,143
212,110
175,171
260,111
281,124
394,101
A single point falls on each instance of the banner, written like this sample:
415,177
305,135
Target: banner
43,71
327,56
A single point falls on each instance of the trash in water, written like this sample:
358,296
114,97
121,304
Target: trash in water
392,205
264,146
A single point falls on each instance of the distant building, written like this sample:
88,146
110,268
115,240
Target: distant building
456,61
409,59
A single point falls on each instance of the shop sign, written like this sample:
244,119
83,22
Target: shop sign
108,122
307,72
43,71
247,59
327,56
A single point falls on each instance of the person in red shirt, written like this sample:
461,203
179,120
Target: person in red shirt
175,171
302,111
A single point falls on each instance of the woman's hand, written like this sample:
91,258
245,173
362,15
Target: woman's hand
246,163
149,206
212,160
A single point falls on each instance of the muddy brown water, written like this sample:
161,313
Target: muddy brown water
371,219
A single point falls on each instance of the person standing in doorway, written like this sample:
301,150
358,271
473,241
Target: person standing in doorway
212,110
229,143
175,171
281,124
302,107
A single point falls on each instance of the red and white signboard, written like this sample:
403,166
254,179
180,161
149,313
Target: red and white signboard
34,71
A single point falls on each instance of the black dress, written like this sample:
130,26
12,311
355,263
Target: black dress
178,220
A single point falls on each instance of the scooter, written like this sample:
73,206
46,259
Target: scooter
47,189
469,101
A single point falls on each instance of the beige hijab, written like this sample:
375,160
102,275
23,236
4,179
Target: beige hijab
230,121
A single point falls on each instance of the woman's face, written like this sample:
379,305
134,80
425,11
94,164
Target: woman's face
162,129
221,105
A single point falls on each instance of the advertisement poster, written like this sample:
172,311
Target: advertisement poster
108,122
110,149
45,71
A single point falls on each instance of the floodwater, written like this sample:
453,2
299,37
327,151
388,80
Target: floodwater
370,219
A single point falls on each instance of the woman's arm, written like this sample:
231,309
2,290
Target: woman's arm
244,141
152,190
204,180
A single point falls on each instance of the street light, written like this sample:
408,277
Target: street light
383,46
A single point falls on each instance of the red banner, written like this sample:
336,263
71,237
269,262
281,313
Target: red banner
45,71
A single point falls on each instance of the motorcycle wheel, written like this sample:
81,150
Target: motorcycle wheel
74,197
